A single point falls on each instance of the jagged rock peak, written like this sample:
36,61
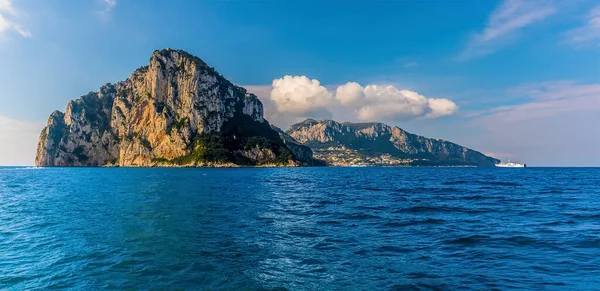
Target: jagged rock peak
175,110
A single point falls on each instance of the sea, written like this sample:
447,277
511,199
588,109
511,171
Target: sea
366,228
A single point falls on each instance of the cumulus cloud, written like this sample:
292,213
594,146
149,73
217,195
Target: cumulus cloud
589,32
8,22
508,19
350,94
294,98
299,95
376,102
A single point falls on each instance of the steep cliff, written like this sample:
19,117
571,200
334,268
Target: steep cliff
303,153
379,144
176,111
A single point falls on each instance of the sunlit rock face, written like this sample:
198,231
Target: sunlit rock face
176,111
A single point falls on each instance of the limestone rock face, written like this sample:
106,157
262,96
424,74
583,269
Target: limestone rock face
176,111
379,144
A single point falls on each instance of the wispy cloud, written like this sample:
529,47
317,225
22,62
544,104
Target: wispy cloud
589,32
555,125
411,64
8,20
504,24
544,99
109,4
107,7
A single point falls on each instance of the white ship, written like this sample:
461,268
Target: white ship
510,164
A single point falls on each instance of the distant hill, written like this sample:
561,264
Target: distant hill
376,143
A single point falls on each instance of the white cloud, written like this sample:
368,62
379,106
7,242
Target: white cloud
109,4
8,22
6,6
19,141
350,94
440,107
299,95
292,99
503,24
589,32
411,64
107,8
376,102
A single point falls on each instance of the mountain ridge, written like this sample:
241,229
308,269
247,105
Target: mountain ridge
376,143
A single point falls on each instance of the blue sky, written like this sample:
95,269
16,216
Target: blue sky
523,76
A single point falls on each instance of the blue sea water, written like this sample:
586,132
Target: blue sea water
300,229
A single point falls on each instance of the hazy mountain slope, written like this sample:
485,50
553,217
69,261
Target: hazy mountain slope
377,143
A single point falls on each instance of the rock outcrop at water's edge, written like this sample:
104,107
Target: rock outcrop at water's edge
176,111
379,144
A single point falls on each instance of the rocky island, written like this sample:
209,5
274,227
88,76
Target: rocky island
178,111
376,143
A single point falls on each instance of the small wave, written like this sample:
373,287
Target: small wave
520,240
551,191
361,252
326,246
499,183
416,190
30,168
329,222
527,212
407,287
419,275
475,197
364,207
459,182
325,202
372,189
414,222
441,209
360,216
311,261
468,240
393,249
588,242
420,209
303,234
586,216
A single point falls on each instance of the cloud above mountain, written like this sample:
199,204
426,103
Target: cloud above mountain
299,95
389,103
293,98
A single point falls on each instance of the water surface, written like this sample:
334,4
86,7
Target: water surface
305,228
